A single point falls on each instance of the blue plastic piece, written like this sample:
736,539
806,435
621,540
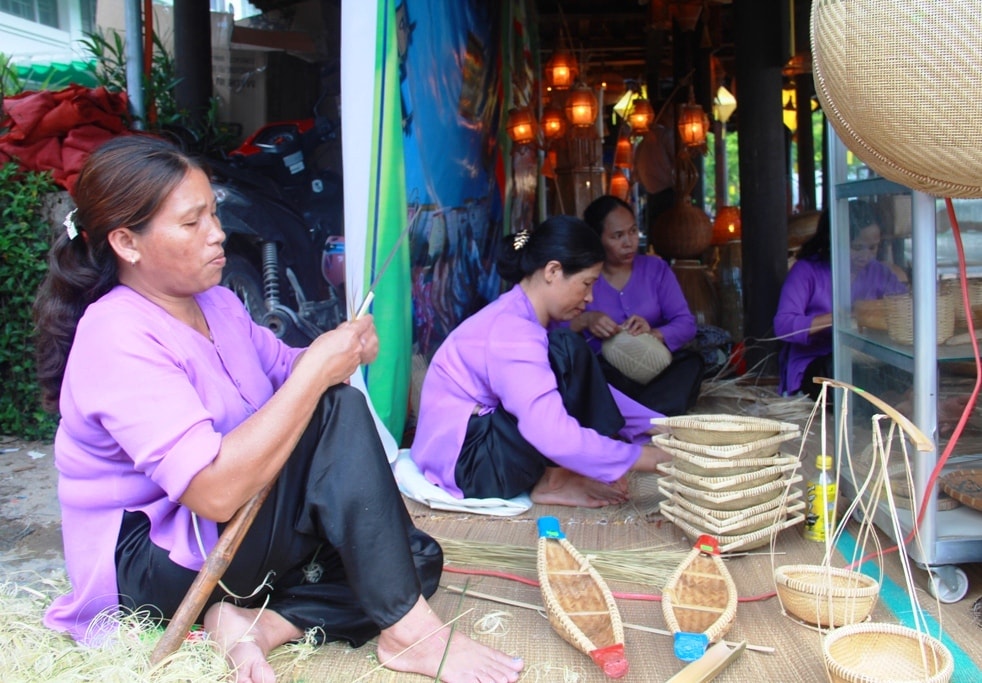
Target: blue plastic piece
690,646
549,528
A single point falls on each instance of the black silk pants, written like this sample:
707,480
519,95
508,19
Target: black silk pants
335,503
497,462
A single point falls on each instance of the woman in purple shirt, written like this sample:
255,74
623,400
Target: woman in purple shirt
640,295
509,406
804,310
176,409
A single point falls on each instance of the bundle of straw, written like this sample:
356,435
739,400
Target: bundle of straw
649,566
29,651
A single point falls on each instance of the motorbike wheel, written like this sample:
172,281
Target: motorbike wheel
242,278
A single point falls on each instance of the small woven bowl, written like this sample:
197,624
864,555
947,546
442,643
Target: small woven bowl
885,653
639,357
733,482
760,448
722,429
825,596
714,467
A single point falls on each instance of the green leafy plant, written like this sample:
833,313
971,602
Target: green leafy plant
24,242
109,50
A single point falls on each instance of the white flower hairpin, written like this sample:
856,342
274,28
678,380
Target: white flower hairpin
69,224
521,239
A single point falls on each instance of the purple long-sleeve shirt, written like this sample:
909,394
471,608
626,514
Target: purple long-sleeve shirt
144,404
807,294
499,357
652,292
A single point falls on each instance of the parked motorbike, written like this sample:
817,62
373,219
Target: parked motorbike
283,219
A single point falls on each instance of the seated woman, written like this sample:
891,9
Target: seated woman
176,409
638,294
509,406
804,310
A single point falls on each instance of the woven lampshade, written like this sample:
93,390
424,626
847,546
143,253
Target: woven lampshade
899,82
640,357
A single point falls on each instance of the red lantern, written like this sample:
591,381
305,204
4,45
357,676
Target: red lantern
521,126
727,226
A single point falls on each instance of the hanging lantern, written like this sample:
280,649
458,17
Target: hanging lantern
790,111
724,104
727,226
693,125
619,185
581,107
641,115
553,122
521,126
561,70
623,153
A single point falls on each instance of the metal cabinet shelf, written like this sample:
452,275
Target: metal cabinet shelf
915,376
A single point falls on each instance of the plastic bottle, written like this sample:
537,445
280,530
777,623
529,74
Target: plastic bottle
821,495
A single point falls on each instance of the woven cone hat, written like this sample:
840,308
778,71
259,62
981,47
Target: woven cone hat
899,81
640,357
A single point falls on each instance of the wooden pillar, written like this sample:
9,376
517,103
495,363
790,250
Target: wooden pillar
762,26
804,89
192,57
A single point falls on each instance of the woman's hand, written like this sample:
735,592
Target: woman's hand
600,325
335,355
636,325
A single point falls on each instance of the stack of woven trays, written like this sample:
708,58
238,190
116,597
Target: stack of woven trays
728,478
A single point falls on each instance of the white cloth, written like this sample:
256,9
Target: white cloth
414,485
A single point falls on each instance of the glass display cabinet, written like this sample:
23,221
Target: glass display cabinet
916,357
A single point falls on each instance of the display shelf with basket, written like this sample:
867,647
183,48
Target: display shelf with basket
914,352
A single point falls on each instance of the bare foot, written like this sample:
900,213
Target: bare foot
560,486
246,636
417,643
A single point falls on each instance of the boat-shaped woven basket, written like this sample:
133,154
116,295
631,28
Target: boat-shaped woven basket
825,596
722,429
761,448
885,653
731,500
700,597
578,602
729,482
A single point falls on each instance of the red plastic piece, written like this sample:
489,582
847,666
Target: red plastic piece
708,545
611,660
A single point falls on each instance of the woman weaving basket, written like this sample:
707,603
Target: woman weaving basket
513,403
639,297
804,311
176,409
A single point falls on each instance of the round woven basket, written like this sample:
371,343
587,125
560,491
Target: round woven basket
924,133
825,596
714,467
640,357
900,318
954,288
885,653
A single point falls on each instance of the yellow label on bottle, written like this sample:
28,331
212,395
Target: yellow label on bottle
821,511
